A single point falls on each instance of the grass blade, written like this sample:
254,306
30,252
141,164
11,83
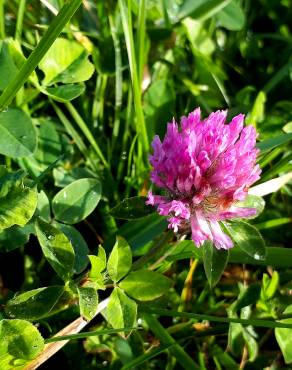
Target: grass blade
35,57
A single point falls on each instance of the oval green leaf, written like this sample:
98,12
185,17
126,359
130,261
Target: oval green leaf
121,311
77,200
145,285
79,245
65,93
57,248
34,304
120,260
17,207
215,261
66,61
17,134
248,238
88,302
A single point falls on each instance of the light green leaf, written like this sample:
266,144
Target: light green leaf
215,261
270,286
65,93
77,200
20,342
120,260
57,248
248,238
17,134
17,207
67,62
79,245
98,263
232,16
284,337
145,285
88,302
34,304
257,113
121,311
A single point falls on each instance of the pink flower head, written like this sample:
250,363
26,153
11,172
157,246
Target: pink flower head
205,167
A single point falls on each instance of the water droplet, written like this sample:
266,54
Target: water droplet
65,194
51,237
4,110
23,137
124,156
257,256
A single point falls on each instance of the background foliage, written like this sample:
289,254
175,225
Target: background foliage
82,94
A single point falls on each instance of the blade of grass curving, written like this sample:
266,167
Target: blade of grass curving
263,323
19,22
165,338
35,57
87,133
74,134
128,33
278,168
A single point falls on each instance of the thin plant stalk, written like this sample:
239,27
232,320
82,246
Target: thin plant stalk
2,20
141,38
19,21
137,93
118,76
87,133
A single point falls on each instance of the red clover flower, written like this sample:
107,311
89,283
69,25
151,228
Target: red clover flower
205,168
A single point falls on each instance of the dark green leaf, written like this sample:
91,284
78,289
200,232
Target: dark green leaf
215,261
49,143
273,142
65,93
145,285
17,134
57,248
34,304
79,245
248,238
131,209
